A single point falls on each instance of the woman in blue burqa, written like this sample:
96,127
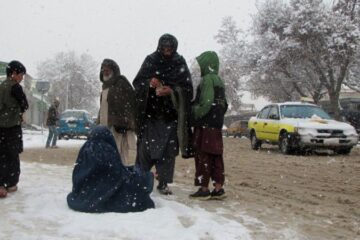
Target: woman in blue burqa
101,183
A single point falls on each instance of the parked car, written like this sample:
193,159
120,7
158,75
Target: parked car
299,126
74,124
237,129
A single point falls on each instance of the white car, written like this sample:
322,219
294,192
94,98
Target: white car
297,126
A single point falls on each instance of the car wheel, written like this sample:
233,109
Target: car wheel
255,143
284,143
343,151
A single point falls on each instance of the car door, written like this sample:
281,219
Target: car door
271,124
259,123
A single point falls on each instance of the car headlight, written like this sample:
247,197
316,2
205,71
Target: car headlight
351,132
305,131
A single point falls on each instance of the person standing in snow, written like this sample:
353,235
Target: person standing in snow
208,111
13,104
117,107
164,90
51,122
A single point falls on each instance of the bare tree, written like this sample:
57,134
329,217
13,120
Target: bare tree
74,80
230,37
308,46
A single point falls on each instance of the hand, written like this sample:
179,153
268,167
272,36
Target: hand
119,129
163,91
155,83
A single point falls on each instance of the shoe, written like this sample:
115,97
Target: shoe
201,195
164,189
54,146
47,146
3,192
218,195
12,189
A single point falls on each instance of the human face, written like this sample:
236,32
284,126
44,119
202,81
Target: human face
167,52
107,73
17,77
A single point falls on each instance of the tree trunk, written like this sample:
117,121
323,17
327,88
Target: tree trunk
334,104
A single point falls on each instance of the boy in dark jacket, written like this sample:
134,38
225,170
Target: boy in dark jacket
13,104
208,110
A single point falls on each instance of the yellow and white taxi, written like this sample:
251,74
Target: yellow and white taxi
300,126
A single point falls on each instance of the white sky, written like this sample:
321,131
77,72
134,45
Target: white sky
124,30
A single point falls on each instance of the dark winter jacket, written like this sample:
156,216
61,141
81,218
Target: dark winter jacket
101,183
13,103
172,72
210,103
53,116
121,98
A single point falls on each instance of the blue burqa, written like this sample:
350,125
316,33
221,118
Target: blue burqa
101,183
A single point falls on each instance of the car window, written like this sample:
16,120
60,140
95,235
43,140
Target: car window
264,113
87,116
302,111
73,114
274,112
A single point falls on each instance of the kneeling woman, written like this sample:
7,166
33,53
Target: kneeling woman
101,183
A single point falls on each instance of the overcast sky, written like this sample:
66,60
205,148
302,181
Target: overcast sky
124,30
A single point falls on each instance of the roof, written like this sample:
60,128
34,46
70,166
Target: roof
75,110
292,103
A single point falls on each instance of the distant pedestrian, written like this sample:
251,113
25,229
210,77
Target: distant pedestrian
117,107
163,92
51,122
209,109
13,104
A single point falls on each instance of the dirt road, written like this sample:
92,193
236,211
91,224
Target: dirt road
317,195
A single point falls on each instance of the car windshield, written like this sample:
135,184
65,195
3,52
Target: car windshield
303,111
73,114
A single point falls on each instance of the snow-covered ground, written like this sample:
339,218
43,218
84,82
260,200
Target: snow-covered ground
34,139
38,210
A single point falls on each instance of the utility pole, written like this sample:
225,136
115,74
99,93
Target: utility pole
42,87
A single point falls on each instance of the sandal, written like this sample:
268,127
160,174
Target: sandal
12,189
3,192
